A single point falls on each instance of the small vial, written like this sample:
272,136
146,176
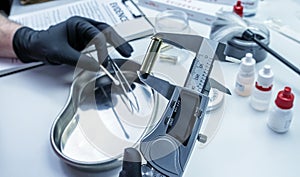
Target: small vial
262,93
280,117
250,7
246,75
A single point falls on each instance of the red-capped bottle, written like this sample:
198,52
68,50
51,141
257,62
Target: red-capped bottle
238,8
281,115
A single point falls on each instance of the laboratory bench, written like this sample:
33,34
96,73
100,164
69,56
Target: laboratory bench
241,144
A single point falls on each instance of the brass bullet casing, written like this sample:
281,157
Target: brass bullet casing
151,55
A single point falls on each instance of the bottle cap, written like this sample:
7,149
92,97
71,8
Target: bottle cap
285,98
265,77
248,63
238,8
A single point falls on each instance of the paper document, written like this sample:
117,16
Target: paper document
111,12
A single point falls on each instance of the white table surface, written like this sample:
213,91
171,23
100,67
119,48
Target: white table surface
243,145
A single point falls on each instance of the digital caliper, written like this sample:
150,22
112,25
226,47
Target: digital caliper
168,146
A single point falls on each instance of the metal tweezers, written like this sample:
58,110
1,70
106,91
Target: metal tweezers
121,81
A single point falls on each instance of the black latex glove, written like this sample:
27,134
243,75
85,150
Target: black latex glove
63,43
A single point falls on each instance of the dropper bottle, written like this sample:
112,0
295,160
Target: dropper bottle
262,93
246,76
280,117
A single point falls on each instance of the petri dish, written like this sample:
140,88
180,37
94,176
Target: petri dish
172,21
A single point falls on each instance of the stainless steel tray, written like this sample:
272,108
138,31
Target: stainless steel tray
95,125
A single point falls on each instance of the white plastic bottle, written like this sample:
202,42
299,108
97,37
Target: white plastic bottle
246,76
262,93
281,115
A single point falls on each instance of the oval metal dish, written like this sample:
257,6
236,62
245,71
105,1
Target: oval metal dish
95,125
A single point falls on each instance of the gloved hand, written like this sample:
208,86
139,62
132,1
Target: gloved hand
63,43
